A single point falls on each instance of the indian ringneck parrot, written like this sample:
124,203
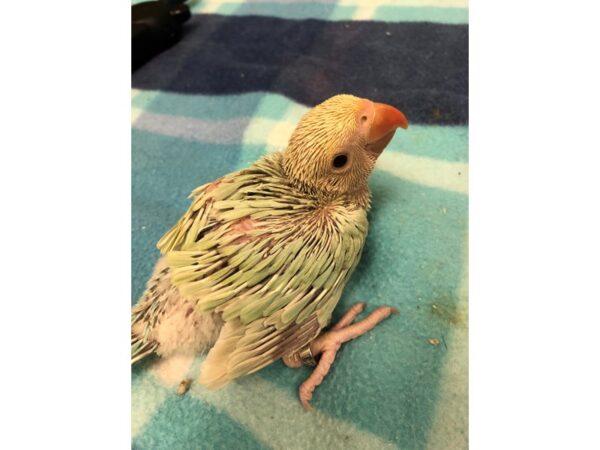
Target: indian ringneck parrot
253,270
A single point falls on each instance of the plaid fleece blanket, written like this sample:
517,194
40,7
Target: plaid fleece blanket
231,91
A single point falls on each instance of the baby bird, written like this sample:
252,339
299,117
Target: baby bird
254,269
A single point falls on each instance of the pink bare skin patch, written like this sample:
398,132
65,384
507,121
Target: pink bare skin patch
243,226
213,186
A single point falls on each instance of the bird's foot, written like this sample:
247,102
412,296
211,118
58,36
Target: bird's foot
328,343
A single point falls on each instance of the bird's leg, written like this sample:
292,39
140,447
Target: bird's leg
327,345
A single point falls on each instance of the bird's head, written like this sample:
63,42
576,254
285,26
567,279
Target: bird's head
336,144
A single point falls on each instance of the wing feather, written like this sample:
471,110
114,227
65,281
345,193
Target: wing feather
272,259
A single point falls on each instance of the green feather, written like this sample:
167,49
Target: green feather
277,281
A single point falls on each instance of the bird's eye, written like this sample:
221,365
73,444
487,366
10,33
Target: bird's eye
340,161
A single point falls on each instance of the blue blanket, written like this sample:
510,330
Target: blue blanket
231,91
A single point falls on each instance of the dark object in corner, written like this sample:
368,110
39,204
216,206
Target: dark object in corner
421,67
155,26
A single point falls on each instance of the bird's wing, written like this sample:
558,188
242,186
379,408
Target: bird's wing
269,260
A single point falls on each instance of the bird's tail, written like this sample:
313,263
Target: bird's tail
140,349
146,313
143,316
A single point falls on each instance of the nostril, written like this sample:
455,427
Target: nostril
363,119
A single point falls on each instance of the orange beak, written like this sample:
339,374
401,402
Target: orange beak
385,122
387,119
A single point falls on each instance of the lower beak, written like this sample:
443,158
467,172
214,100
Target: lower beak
385,122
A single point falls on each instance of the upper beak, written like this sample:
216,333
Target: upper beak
385,122
387,119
